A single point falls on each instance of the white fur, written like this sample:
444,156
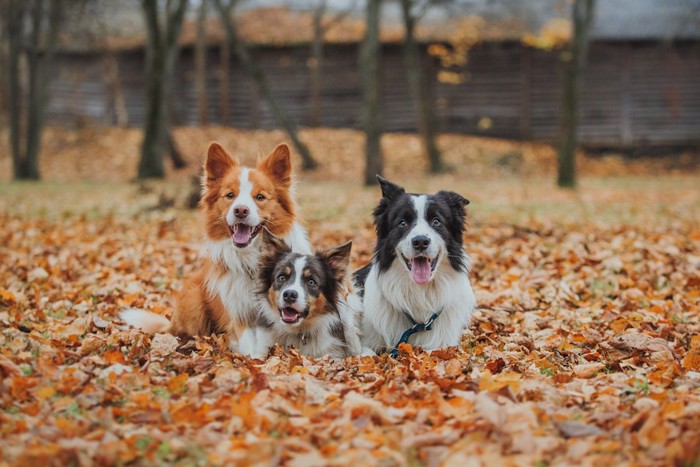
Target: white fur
244,199
388,294
312,336
298,240
146,320
296,286
237,288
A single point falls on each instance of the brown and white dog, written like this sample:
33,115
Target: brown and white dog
303,301
238,202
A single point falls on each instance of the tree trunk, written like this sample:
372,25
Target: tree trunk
28,22
241,51
316,65
371,118
175,154
4,62
200,60
224,80
161,53
15,33
572,73
421,95
115,89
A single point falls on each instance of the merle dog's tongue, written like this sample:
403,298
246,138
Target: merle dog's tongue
289,315
242,233
420,270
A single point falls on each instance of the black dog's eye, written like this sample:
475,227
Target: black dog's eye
260,197
281,278
311,283
436,222
230,195
403,224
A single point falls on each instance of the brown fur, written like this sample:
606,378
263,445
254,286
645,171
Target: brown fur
198,312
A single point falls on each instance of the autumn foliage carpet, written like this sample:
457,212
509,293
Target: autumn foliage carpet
586,347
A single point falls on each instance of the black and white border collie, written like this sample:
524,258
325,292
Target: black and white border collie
419,275
303,301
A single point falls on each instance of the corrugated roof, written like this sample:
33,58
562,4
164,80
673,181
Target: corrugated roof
118,25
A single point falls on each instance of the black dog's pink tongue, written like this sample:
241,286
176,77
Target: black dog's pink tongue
242,233
420,270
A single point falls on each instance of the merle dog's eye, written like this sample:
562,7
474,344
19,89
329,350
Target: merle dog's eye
403,224
230,195
311,283
436,222
281,278
260,197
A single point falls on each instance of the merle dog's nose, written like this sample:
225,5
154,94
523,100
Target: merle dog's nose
290,296
241,212
420,242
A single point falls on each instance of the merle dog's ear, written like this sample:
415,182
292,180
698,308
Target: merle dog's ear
272,246
389,190
338,260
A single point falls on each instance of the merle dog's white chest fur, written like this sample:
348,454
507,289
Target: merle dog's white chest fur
419,268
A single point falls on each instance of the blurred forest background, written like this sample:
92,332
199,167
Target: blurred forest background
98,89
585,349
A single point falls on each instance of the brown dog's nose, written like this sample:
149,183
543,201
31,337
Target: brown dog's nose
241,212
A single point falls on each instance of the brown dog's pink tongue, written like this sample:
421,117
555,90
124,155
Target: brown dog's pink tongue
420,270
241,233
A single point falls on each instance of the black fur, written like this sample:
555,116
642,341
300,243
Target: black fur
327,268
359,278
395,216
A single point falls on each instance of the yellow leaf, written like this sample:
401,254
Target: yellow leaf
46,392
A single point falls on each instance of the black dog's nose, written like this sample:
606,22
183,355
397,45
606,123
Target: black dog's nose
241,212
420,243
290,296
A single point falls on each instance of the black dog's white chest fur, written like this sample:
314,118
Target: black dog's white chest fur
419,268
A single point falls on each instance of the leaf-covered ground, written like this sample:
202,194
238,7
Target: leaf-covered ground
586,348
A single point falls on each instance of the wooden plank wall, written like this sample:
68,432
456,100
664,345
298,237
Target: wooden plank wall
633,93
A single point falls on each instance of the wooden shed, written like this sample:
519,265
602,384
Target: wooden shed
638,89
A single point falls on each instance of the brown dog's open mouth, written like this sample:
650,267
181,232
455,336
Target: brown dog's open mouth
243,234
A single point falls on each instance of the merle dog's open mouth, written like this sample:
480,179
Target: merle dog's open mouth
421,267
242,234
290,315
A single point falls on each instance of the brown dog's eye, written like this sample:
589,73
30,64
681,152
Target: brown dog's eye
260,197
230,195
281,278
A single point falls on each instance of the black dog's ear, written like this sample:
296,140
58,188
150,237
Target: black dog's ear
454,200
272,246
338,260
389,190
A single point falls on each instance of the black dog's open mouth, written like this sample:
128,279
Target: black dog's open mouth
421,267
243,234
290,316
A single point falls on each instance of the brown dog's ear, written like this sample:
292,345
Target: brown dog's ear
338,260
272,246
218,163
278,165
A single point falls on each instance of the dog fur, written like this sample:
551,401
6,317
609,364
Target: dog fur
238,202
303,301
419,267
